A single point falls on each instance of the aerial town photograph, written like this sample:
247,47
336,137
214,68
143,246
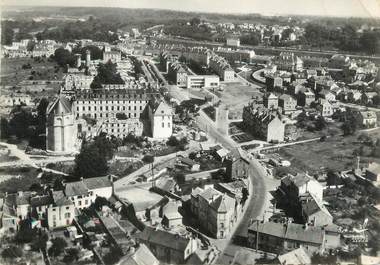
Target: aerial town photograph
157,132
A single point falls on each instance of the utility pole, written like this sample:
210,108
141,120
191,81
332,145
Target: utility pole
257,235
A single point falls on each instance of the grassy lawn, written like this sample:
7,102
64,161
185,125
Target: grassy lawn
335,153
12,72
17,179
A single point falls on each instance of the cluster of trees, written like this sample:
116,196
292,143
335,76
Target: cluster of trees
250,39
64,57
346,38
92,28
180,144
24,125
107,74
193,30
304,121
93,157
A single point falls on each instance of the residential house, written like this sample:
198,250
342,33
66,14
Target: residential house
368,118
288,61
279,237
325,108
84,192
168,247
170,215
238,165
187,163
372,173
315,213
216,212
177,74
270,101
367,97
287,103
338,61
140,256
305,98
61,212
294,186
263,123
327,95
273,81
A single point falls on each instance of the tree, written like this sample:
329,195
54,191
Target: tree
20,122
64,57
195,21
4,128
320,123
11,252
348,128
58,245
250,39
90,162
39,242
100,202
148,159
173,141
113,256
370,42
245,194
107,74
71,255
93,156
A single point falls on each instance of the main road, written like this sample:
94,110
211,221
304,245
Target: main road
255,205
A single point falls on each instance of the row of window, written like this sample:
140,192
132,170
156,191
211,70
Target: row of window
111,115
106,108
104,102
163,125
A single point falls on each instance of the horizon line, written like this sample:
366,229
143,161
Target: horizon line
268,14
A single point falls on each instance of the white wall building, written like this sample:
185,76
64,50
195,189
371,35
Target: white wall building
161,118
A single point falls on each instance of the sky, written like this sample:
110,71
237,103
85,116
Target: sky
356,8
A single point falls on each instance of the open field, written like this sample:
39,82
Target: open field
236,95
335,153
12,72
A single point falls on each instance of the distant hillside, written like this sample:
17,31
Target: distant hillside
125,15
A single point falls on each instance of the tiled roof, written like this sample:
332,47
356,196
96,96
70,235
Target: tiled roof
75,188
291,231
60,199
142,256
164,238
98,182
295,257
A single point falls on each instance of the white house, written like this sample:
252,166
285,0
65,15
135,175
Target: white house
161,118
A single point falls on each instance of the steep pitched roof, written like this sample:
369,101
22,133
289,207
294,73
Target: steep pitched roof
313,206
60,199
162,109
60,106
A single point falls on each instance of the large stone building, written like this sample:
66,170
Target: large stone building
117,110
263,123
61,130
278,238
220,66
288,61
216,212
201,81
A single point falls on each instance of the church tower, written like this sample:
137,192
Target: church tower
60,126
